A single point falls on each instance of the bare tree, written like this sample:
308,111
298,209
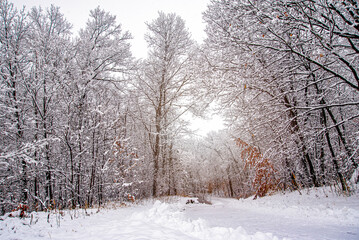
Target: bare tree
165,86
13,63
290,82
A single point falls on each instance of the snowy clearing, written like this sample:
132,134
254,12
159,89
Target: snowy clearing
316,214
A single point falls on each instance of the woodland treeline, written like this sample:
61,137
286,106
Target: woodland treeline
83,122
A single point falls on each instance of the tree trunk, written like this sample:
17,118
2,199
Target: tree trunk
295,129
335,162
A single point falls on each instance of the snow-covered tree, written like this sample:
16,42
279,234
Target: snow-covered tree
13,123
61,102
288,78
165,85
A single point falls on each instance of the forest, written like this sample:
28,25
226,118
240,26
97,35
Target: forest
83,122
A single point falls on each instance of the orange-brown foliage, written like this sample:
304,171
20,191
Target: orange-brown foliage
23,208
264,179
131,198
121,149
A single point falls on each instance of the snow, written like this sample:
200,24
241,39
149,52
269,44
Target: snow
315,214
126,184
319,215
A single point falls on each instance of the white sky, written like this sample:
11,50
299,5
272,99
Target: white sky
133,14
202,126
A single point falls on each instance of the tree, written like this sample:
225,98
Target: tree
102,59
285,67
165,86
14,148
62,101
49,32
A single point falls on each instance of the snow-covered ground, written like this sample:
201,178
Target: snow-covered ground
319,214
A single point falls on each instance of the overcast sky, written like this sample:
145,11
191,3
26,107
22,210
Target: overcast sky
132,14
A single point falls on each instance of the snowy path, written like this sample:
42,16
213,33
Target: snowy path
287,216
280,222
